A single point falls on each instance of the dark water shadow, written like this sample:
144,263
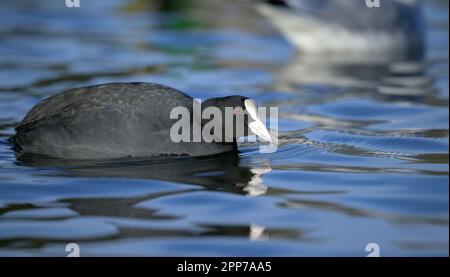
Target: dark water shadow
223,172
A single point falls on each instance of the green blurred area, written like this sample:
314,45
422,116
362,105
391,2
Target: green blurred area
180,22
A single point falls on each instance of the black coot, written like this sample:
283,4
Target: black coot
124,120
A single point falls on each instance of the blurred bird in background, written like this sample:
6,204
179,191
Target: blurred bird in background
362,44
395,29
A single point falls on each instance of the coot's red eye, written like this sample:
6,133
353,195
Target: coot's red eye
238,110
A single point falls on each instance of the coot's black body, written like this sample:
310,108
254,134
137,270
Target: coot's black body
111,121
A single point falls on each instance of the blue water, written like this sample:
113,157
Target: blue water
363,153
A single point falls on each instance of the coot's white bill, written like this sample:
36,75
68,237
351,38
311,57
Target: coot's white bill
256,126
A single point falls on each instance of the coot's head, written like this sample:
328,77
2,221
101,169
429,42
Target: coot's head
239,116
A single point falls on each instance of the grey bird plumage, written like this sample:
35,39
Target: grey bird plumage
396,26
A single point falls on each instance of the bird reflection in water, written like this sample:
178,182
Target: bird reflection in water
225,172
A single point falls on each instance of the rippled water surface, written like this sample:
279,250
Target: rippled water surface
363,153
